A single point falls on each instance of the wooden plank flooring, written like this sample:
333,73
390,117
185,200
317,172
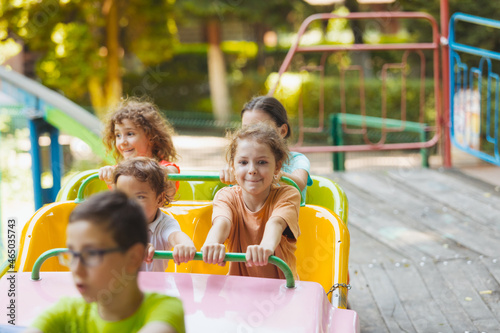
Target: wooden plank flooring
425,250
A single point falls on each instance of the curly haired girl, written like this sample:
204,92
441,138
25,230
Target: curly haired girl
137,128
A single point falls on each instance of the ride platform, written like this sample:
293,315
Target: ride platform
424,250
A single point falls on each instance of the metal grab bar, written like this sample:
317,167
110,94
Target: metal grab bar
235,257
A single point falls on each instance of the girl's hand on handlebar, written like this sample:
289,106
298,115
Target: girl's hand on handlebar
183,253
214,254
258,255
106,174
226,175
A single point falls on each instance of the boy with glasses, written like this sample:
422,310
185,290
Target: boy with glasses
106,239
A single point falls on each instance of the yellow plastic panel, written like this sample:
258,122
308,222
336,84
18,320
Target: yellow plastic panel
322,247
326,193
195,220
46,230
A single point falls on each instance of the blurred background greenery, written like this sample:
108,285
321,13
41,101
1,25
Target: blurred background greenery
201,60
200,56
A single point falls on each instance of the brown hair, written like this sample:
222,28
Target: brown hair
113,211
272,107
145,169
147,116
263,133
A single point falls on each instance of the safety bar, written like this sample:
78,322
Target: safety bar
235,257
182,177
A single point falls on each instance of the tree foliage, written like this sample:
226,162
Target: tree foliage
260,14
83,43
273,13
484,37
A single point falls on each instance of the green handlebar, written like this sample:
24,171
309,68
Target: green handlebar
236,257
239,257
215,177
205,176
180,177
35,273
83,186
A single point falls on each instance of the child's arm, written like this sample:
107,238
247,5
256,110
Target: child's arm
150,252
299,176
184,249
226,175
106,174
214,250
172,169
257,255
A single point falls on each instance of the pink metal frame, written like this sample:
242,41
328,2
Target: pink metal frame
444,17
328,49
319,129
361,99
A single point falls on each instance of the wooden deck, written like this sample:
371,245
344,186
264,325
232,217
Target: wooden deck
425,251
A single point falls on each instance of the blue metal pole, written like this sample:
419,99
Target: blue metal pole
36,167
56,162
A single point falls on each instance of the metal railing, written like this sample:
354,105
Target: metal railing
234,257
474,94
406,48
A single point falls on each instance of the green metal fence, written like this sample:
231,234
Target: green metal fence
410,132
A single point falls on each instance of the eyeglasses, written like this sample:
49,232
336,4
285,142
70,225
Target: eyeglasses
88,258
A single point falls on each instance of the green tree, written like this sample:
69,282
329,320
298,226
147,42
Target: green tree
483,37
262,15
83,43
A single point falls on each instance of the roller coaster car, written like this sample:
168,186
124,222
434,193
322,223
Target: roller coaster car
213,301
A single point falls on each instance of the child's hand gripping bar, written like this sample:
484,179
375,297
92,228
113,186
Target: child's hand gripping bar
238,257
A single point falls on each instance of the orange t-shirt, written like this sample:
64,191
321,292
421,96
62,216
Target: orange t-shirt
248,227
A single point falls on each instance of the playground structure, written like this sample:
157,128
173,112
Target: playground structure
474,103
342,120
466,100
48,113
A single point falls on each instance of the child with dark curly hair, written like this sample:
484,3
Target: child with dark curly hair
145,180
